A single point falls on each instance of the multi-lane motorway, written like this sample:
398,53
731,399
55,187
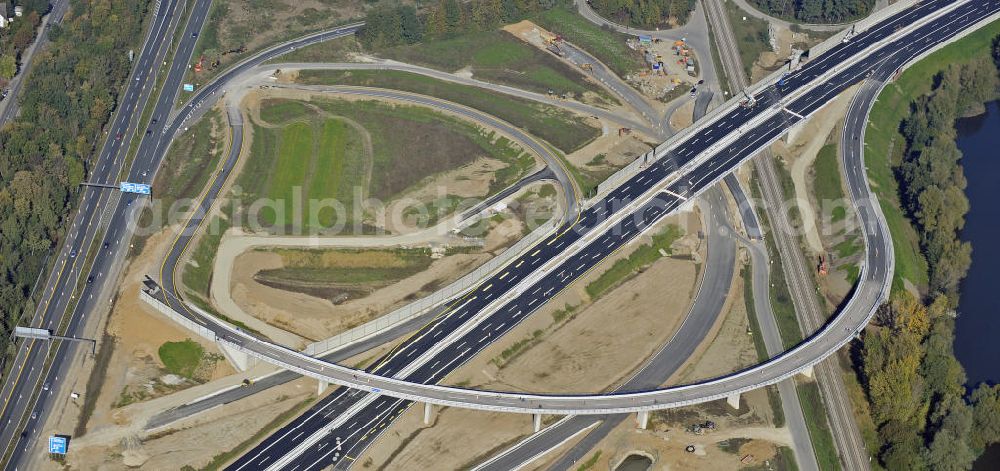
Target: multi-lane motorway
368,413
425,358
25,400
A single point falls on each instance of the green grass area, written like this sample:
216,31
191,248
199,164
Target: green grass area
847,247
606,45
335,50
197,276
319,152
827,186
589,464
626,268
191,160
561,128
758,339
884,145
348,265
515,349
499,57
182,358
819,431
220,460
750,34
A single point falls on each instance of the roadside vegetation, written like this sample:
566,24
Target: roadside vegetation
606,45
628,267
750,33
236,29
343,274
497,56
651,14
561,128
17,36
920,403
816,11
187,359
320,150
66,102
192,159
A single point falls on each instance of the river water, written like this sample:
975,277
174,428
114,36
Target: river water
977,329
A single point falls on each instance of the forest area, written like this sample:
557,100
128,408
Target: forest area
18,35
927,418
44,153
816,11
646,14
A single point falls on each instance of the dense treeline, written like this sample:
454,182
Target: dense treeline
915,385
44,153
390,25
18,35
816,11
647,14
930,174
916,389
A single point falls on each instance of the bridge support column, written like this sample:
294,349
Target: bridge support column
642,419
322,387
733,400
808,372
537,422
428,410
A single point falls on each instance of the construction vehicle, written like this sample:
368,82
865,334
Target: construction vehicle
822,268
587,66
624,131
198,65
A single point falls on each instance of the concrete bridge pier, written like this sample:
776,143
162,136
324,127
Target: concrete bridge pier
537,422
428,410
733,400
322,387
808,372
642,419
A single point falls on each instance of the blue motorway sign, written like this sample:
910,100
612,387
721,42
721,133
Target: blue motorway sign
188,87
57,445
139,188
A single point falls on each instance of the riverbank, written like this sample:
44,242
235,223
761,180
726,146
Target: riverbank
917,391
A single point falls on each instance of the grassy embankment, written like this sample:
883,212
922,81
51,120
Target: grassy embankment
828,189
323,155
237,29
607,46
751,35
561,128
499,57
884,146
343,273
338,169
628,267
